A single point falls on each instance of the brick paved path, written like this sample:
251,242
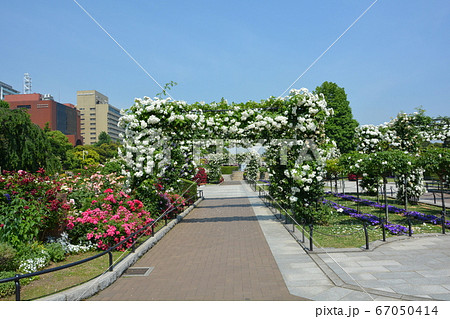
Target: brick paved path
218,252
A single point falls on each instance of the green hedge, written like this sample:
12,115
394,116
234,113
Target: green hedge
228,169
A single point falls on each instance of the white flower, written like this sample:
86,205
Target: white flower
153,119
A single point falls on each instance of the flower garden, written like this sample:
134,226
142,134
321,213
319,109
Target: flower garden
46,219
170,147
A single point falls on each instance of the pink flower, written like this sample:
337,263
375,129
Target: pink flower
111,198
109,190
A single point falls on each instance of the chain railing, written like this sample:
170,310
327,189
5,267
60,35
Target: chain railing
133,237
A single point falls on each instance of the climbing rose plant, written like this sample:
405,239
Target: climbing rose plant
156,127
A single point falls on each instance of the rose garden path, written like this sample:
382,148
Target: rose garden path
217,252
231,247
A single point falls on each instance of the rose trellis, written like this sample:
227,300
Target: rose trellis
162,137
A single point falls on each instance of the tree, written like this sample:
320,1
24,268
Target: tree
59,144
103,138
81,156
4,104
437,161
24,145
341,126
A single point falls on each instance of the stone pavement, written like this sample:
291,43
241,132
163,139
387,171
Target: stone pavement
233,248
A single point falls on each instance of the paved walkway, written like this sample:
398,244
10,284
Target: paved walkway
232,248
217,252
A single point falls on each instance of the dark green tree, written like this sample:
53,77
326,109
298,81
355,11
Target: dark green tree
107,151
341,126
59,144
4,104
24,145
103,138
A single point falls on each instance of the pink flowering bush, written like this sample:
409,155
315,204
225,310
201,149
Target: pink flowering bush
172,203
112,217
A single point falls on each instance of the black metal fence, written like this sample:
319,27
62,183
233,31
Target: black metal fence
286,216
133,237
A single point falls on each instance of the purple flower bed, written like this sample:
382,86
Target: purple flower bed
372,219
393,209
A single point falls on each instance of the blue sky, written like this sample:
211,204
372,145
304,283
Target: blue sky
394,59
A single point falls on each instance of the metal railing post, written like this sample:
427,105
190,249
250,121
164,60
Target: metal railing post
383,230
17,282
311,237
409,227
111,266
443,222
366,234
303,232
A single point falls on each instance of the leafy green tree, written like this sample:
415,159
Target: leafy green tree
436,161
333,170
4,104
59,144
103,138
341,126
24,145
81,156
107,151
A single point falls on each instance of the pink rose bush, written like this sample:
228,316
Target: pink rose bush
112,217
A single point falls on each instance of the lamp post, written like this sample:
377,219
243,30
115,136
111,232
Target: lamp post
84,152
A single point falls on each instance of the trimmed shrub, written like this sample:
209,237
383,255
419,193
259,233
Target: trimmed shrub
226,170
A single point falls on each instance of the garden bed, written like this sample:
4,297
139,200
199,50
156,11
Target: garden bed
343,231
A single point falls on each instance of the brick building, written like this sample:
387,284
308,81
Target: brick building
43,109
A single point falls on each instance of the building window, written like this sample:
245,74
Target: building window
41,106
24,106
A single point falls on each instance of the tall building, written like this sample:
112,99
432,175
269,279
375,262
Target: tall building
97,116
43,109
6,89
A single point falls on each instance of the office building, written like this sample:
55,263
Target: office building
43,109
97,116
6,89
